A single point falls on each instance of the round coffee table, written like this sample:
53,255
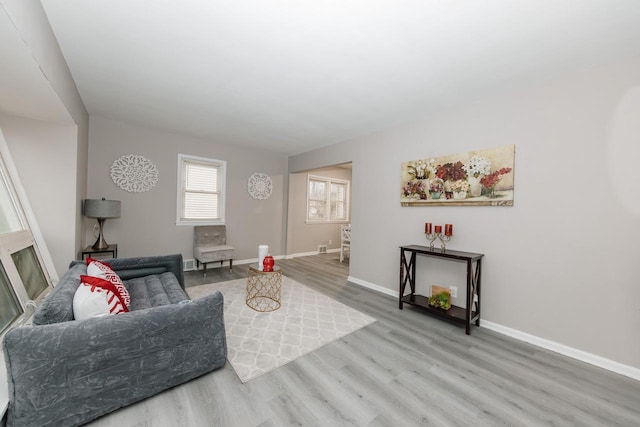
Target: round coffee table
264,288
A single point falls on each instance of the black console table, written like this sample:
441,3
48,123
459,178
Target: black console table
455,314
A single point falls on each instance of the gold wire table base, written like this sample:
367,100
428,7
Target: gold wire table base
264,289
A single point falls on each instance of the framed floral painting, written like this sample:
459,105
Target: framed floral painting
475,178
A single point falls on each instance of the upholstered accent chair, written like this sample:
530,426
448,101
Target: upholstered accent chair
210,245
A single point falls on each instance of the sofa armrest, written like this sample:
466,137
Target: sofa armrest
130,268
70,373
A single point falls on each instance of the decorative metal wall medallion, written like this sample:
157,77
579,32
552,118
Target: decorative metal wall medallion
134,173
260,186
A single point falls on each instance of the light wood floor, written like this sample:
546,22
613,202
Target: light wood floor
406,369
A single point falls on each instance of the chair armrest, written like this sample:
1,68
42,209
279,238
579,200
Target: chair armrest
72,372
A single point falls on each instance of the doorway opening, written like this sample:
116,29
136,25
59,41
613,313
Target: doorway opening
319,207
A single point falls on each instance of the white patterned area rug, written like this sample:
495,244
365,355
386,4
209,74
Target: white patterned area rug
260,342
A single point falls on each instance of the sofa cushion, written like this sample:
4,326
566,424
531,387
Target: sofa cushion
58,305
213,253
154,291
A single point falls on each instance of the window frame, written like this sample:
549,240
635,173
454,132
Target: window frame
28,236
328,181
221,165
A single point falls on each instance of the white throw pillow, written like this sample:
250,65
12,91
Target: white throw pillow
104,271
96,297
90,301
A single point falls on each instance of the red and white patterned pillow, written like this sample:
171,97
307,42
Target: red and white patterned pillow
104,271
96,297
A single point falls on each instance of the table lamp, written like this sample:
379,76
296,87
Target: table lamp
101,210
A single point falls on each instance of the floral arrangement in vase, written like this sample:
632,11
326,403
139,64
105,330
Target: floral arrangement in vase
459,189
436,188
451,171
477,166
422,169
415,189
489,182
460,186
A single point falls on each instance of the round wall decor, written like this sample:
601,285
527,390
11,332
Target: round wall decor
260,186
134,173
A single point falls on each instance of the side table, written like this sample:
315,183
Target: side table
264,288
112,249
456,314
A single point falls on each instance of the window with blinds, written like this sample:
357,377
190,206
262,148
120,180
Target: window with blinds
200,190
327,199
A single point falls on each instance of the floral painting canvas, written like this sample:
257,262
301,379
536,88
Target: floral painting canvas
476,178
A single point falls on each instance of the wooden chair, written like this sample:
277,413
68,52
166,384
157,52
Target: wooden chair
345,240
210,245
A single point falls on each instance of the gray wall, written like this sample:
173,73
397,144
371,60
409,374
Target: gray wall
147,225
302,237
51,158
562,263
45,157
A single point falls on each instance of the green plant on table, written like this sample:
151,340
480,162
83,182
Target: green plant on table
441,300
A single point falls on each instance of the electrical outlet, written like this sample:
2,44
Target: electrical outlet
330,242
454,291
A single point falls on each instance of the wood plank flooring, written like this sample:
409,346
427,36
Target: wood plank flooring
406,369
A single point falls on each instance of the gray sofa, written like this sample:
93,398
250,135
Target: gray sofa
67,372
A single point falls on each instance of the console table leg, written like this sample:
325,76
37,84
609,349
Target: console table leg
407,275
477,278
470,294
402,283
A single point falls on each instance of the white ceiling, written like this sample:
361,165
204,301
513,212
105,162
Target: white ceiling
293,75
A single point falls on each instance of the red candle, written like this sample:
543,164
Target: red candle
448,229
427,228
438,229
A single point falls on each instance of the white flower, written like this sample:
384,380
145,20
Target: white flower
431,167
477,166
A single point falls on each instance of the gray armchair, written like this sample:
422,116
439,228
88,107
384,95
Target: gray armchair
210,245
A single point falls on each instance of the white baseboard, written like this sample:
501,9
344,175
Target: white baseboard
292,256
583,356
373,286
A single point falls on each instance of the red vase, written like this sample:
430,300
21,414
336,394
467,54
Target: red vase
267,263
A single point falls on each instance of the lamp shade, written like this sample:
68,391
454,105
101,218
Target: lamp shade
96,208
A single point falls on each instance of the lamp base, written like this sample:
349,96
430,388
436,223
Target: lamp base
100,242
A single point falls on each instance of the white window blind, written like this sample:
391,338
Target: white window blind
339,201
327,199
201,190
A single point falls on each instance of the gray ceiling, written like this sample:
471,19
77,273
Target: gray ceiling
293,75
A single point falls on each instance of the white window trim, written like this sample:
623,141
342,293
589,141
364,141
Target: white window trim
16,241
329,181
26,212
222,179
